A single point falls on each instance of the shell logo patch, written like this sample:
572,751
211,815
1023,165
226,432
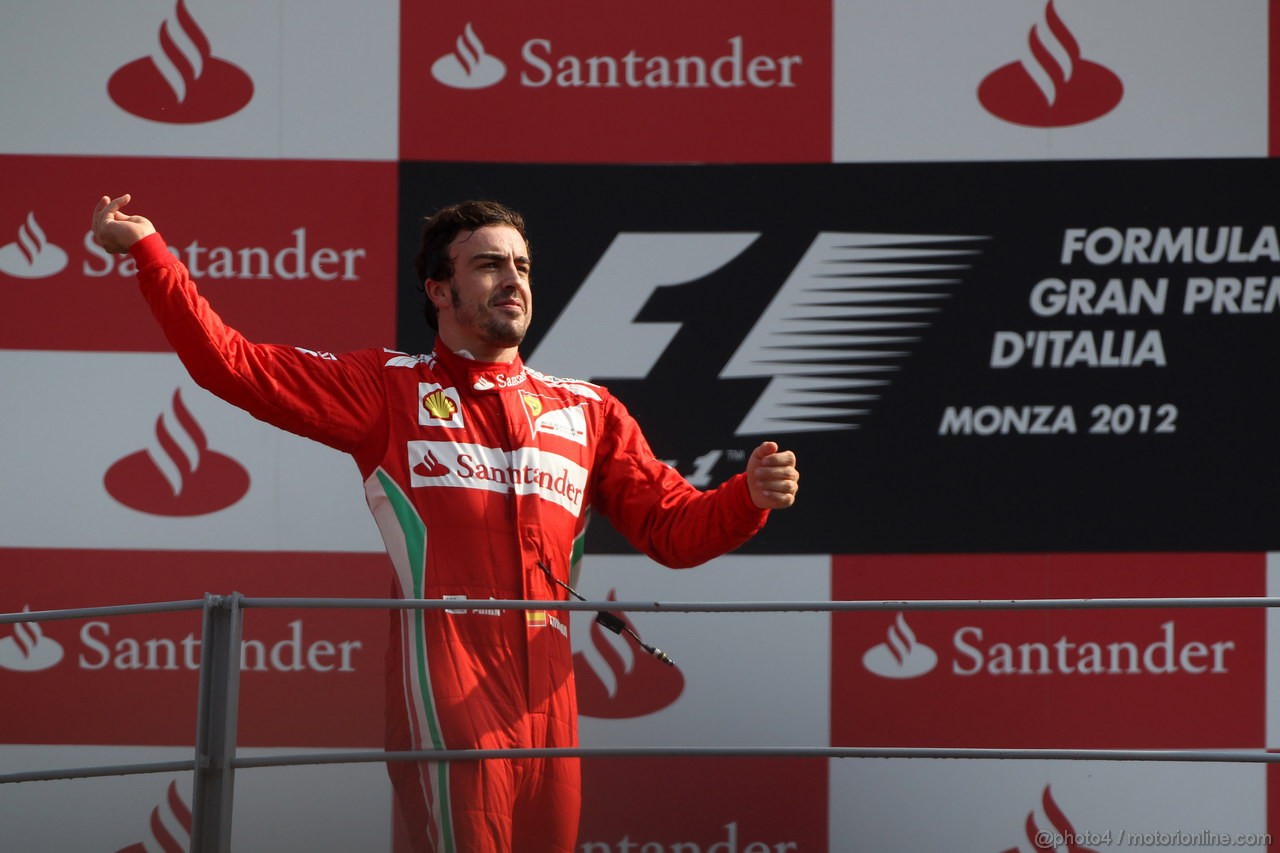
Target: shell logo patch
439,406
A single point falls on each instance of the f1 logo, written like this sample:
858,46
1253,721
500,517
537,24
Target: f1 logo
854,305
597,329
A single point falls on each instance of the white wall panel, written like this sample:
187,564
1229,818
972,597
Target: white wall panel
71,416
750,679
985,806
324,75
907,76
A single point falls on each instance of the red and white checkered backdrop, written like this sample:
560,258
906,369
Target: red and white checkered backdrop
1004,273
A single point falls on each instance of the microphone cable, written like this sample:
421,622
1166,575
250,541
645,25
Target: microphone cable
611,621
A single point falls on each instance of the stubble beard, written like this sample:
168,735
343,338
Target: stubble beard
493,329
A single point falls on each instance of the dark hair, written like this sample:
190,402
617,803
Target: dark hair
439,229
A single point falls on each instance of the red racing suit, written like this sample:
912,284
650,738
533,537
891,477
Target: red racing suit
477,474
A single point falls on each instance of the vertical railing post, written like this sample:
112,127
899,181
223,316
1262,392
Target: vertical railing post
216,714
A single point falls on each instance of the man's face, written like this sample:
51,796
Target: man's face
491,298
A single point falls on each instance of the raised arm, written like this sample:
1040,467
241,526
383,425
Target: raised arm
337,400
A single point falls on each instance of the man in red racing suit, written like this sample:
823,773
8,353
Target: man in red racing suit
479,474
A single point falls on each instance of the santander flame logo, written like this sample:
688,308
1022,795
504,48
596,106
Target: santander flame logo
32,255
179,475
615,683
29,650
1054,86
170,829
182,82
468,67
430,466
901,655
1060,835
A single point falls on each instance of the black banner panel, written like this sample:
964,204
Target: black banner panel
1042,356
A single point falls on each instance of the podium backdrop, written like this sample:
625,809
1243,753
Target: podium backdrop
1005,274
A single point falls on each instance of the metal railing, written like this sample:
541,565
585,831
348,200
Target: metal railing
215,760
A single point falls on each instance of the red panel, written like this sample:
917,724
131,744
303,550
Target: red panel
732,81
717,804
1159,678
288,252
310,677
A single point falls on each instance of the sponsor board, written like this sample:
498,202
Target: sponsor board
1024,806
1050,80
628,698
1054,678
283,270
308,677
193,78
322,808
623,799
616,679
1009,367
573,83
123,450
740,679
